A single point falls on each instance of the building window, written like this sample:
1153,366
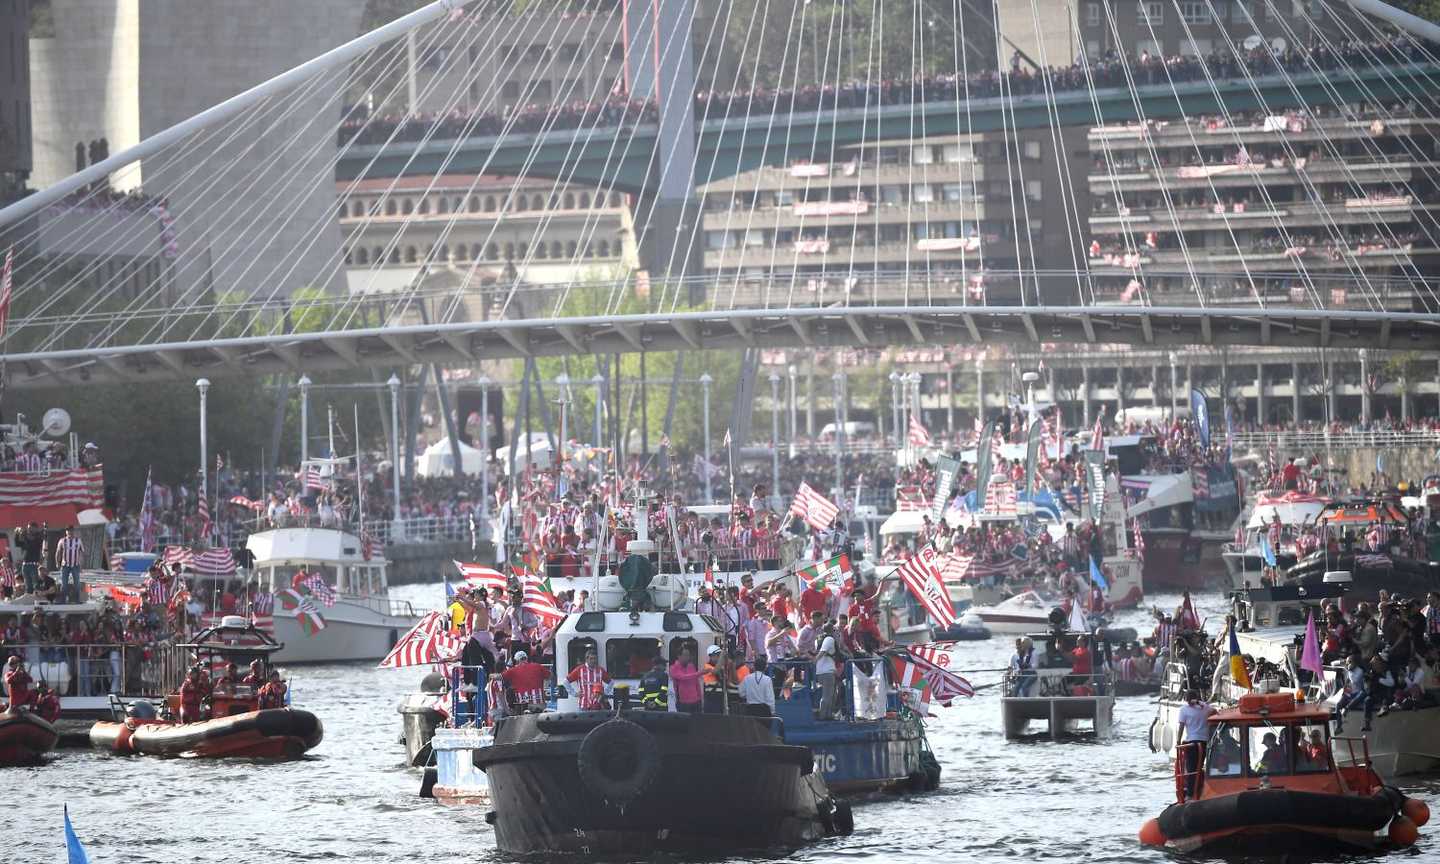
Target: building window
1032,150
540,91
1194,12
1034,190
510,90
1092,14
569,51
1271,13
1152,12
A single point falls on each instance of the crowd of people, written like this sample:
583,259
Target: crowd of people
1109,70
769,634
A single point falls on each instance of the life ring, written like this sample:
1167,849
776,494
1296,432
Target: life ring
618,761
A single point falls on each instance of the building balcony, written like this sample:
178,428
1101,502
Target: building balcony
1248,217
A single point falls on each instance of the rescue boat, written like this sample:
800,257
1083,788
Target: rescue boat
236,725
25,737
1270,784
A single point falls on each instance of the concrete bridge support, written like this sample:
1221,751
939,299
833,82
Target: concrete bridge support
1295,409
660,65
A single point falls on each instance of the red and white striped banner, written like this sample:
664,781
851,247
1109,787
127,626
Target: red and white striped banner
480,576
214,562
428,642
79,487
922,576
812,508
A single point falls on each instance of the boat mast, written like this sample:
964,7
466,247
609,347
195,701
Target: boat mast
359,475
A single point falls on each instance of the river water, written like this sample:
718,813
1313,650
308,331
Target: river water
352,799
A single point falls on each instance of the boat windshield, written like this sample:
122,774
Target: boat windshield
1267,749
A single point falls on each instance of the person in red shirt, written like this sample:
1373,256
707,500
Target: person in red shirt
864,632
590,678
781,604
526,680
1082,664
272,695
190,696
815,600
17,682
46,704
256,677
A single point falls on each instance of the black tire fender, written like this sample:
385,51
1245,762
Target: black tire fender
618,761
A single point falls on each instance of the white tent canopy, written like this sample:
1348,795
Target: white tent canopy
439,461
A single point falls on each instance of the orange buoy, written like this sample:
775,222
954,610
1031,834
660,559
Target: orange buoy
1416,811
1403,832
1151,835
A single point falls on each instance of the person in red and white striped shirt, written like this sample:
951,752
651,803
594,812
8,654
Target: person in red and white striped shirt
590,679
70,555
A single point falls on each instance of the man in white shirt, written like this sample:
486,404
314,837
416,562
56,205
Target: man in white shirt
1194,732
758,688
825,672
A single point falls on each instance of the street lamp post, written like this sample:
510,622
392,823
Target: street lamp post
484,383
839,380
562,381
304,419
396,532
895,408
203,385
599,381
792,410
705,382
1174,386
774,436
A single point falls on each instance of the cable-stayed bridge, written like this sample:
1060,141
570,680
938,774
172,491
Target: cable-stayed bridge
1242,194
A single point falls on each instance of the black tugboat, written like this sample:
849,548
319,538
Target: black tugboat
639,782
632,782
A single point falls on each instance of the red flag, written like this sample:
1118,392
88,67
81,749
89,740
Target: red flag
7,282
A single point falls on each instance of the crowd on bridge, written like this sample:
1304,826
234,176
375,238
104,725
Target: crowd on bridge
1109,70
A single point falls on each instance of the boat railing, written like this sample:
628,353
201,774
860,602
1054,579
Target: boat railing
1355,773
102,668
800,687
1057,684
382,604
1189,781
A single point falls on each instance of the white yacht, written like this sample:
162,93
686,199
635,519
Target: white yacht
364,623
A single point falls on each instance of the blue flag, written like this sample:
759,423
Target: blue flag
1200,413
1266,550
1229,432
73,849
1096,576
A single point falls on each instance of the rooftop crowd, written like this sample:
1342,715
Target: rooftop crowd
1107,71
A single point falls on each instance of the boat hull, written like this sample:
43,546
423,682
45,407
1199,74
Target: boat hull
1173,562
1279,821
1003,622
352,632
545,802
1407,578
279,733
25,738
862,758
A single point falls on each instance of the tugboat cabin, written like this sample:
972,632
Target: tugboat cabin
233,641
1271,740
627,644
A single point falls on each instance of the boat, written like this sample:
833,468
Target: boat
420,716
1269,786
969,627
1390,568
25,737
1026,612
642,782
1296,510
236,727
1054,695
363,624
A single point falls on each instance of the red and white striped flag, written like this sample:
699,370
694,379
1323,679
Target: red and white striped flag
919,435
147,517
320,589
480,576
428,642
938,659
538,598
812,508
204,513
922,576
7,284
1140,538
214,562
1097,435
247,503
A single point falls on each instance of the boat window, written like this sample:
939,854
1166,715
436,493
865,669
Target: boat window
1270,749
1224,755
630,657
575,651
1312,753
680,643
590,622
677,622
